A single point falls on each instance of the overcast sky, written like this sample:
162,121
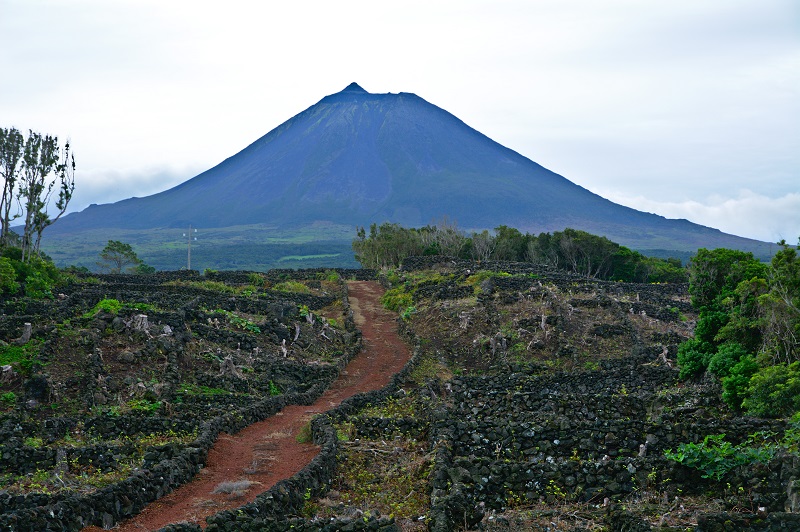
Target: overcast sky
685,108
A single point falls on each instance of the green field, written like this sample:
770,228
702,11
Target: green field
256,247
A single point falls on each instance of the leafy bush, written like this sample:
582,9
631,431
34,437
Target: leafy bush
256,279
38,286
292,287
8,398
693,358
735,386
397,298
725,358
214,286
8,277
709,324
112,306
329,275
239,322
144,406
774,391
144,269
714,457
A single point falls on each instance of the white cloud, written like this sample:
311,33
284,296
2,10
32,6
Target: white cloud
667,100
749,214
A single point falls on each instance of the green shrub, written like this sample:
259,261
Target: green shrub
38,286
392,277
144,406
8,398
33,441
112,306
397,298
144,269
304,434
714,457
406,314
273,389
735,386
21,357
709,324
8,277
140,307
256,279
774,391
725,358
329,275
239,322
693,358
292,287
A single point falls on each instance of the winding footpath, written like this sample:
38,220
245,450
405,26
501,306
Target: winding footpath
266,452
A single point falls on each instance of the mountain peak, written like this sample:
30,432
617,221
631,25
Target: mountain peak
354,87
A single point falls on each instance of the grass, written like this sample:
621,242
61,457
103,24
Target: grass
400,467
294,287
234,488
289,258
391,408
21,357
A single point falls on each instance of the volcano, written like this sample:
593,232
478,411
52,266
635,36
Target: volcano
356,158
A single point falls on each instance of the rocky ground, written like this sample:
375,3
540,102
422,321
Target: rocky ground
534,400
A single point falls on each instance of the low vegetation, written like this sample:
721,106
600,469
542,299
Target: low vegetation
518,364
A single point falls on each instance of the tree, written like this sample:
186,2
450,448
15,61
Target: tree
509,244
37,167
483,245
780,307
118,257
715,274
11,144
448,238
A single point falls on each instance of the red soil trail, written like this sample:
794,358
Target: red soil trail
267,452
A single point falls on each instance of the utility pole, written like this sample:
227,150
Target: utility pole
189,252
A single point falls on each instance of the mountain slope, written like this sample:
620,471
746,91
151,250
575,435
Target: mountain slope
356,158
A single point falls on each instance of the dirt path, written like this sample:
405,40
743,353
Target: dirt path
267,452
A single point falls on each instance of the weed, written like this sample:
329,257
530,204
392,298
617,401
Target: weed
401,476
294,287
273,389
236,487
239,322
406,314
304,434
112,306
391,408
213,286
144,406
345,431
22,357
33,441
397,298
8,398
